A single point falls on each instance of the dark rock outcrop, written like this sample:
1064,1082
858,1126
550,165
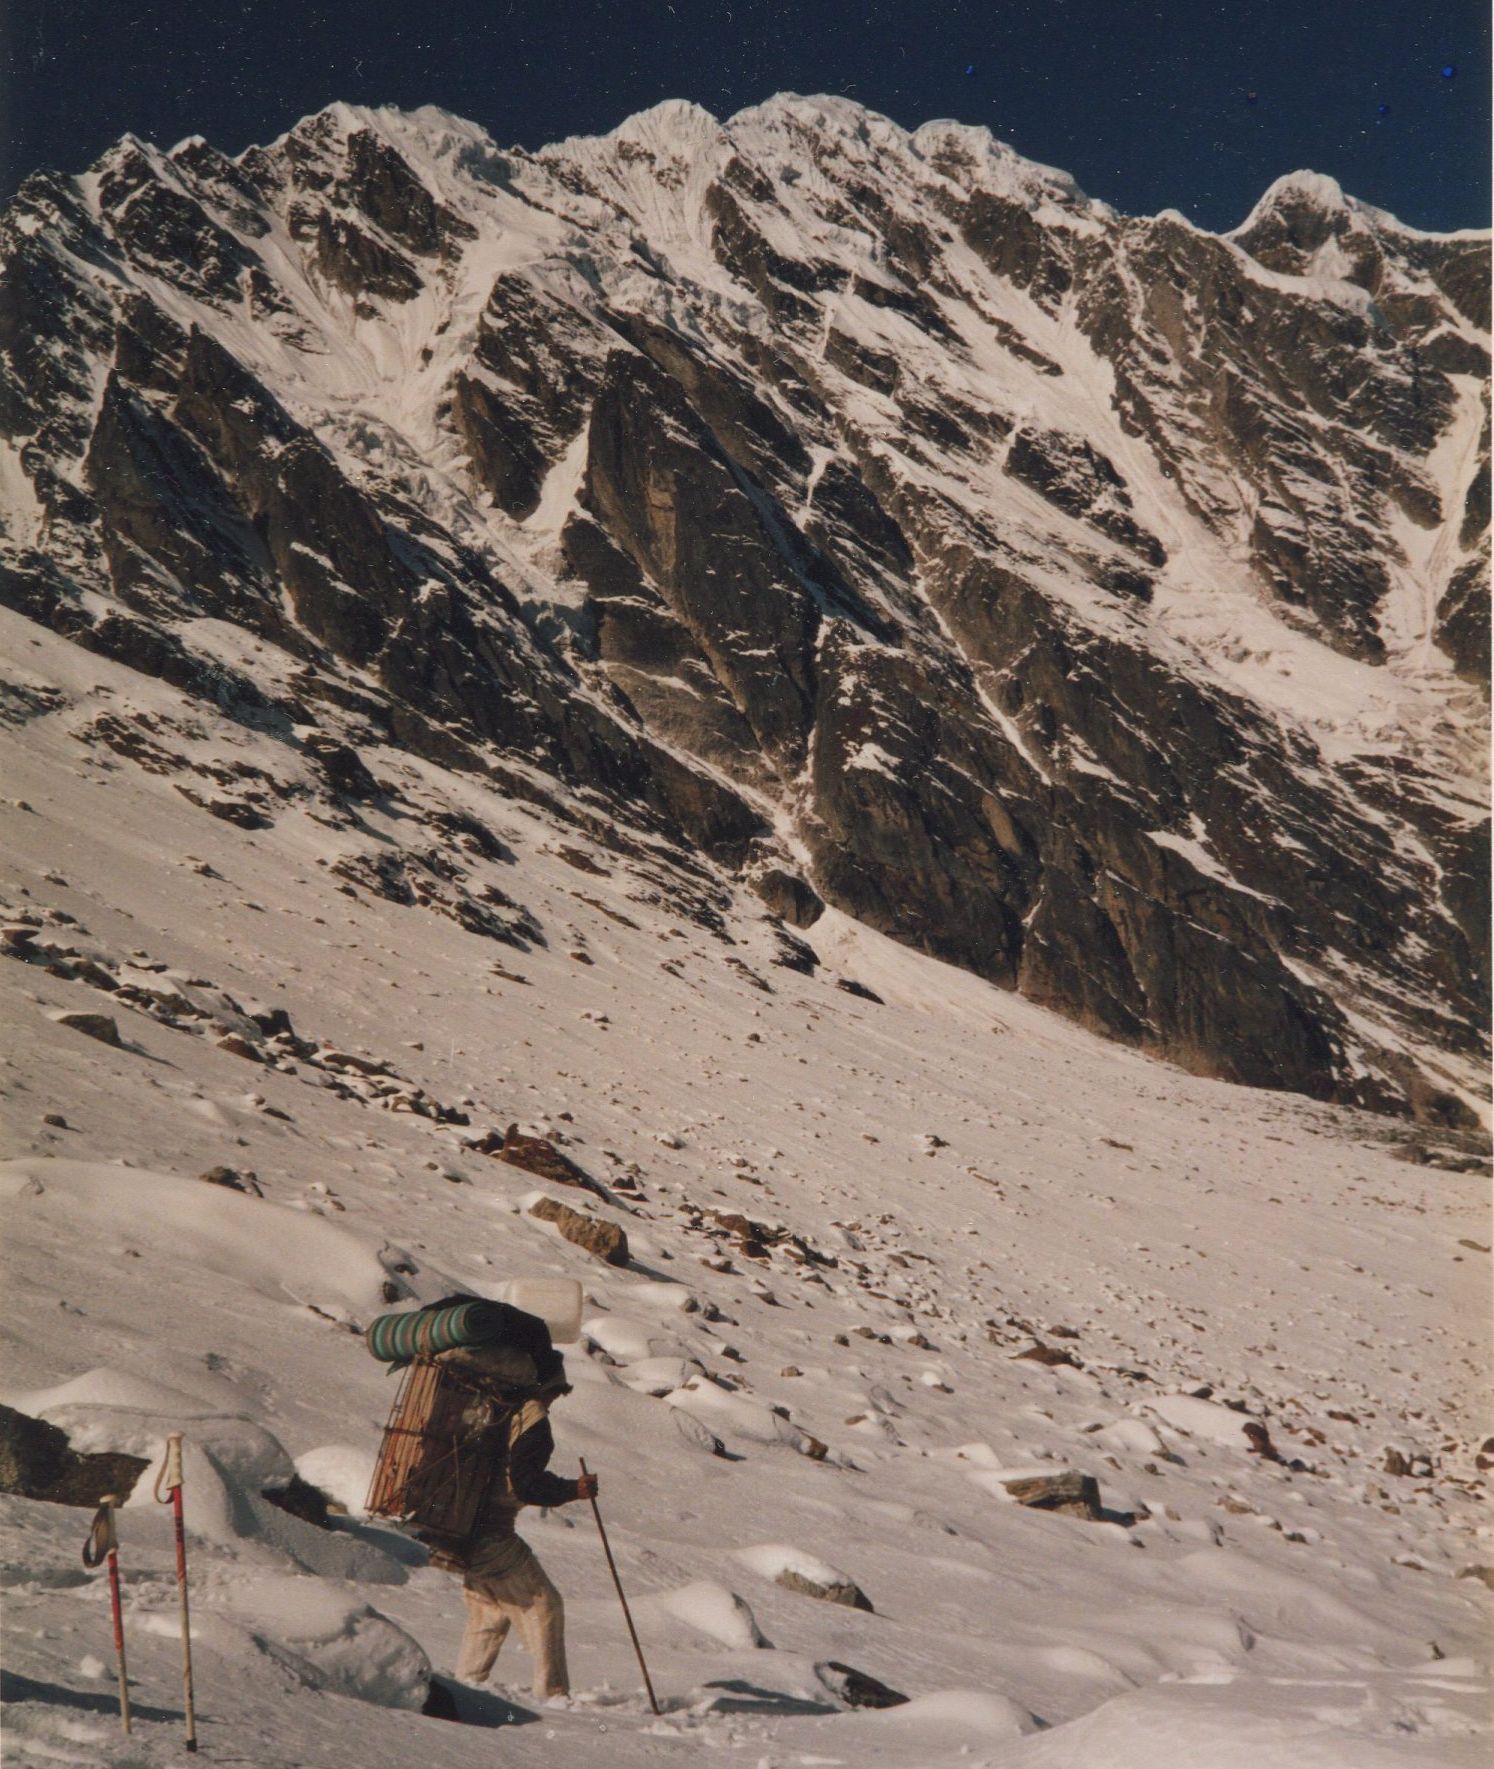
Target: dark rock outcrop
299,1498
37,1461
858,1689
101,1026
232,1180
788,896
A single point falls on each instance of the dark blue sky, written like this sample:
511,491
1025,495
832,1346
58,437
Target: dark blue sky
1177,103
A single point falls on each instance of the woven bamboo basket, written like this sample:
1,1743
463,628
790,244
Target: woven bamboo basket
436,1458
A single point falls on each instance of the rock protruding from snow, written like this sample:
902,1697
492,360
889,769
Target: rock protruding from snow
330,1640
857,1689
539,1156
603,1240
806,1573
1070,1493
92,1025
37,1462
232,1180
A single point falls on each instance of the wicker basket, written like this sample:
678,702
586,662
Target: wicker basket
440,1452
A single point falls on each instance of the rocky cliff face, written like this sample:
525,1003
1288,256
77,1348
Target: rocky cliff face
866,518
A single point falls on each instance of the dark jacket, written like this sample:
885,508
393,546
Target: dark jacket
530,1447
495,1548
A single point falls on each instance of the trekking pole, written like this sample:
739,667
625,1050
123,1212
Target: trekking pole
170,1477
102,1544
653,1700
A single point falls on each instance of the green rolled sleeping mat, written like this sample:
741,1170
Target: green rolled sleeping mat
454,1322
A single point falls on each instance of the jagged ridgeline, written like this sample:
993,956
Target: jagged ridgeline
1090,601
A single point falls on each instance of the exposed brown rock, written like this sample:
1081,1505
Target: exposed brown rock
342,767
851,1595
1259,1439
1039,1353
538,1155
603,1240
233,1180
1070,1494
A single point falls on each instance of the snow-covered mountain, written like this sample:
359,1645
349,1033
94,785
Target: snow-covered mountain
1090,602
694,644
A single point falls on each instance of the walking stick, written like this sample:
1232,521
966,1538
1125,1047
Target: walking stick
653,1700
170,1477
103,1544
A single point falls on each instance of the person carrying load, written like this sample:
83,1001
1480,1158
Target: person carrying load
502,1580
467,1447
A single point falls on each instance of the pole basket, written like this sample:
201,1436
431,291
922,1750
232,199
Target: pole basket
440,1451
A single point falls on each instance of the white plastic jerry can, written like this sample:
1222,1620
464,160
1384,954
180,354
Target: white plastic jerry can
557,1302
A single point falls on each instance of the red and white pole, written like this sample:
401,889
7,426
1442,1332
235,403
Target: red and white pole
103,1544
171,1478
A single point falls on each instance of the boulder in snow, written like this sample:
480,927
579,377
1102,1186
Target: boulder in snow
855,1688
233,1180
37,1461
328,1640
837,1591
1208,1420
971,1714
299,1498
1039,1353
1069,1493
698,1436
805,1573
658,1376
91,1025
603,1240
629,1341
538,1155
343,768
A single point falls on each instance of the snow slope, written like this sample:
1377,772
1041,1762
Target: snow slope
968,1176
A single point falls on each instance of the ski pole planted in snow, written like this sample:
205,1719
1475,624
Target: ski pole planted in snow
103,1544
170,1477
653,1700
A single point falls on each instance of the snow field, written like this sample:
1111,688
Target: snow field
984,1176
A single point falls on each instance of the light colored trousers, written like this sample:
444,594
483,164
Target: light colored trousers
522,1598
